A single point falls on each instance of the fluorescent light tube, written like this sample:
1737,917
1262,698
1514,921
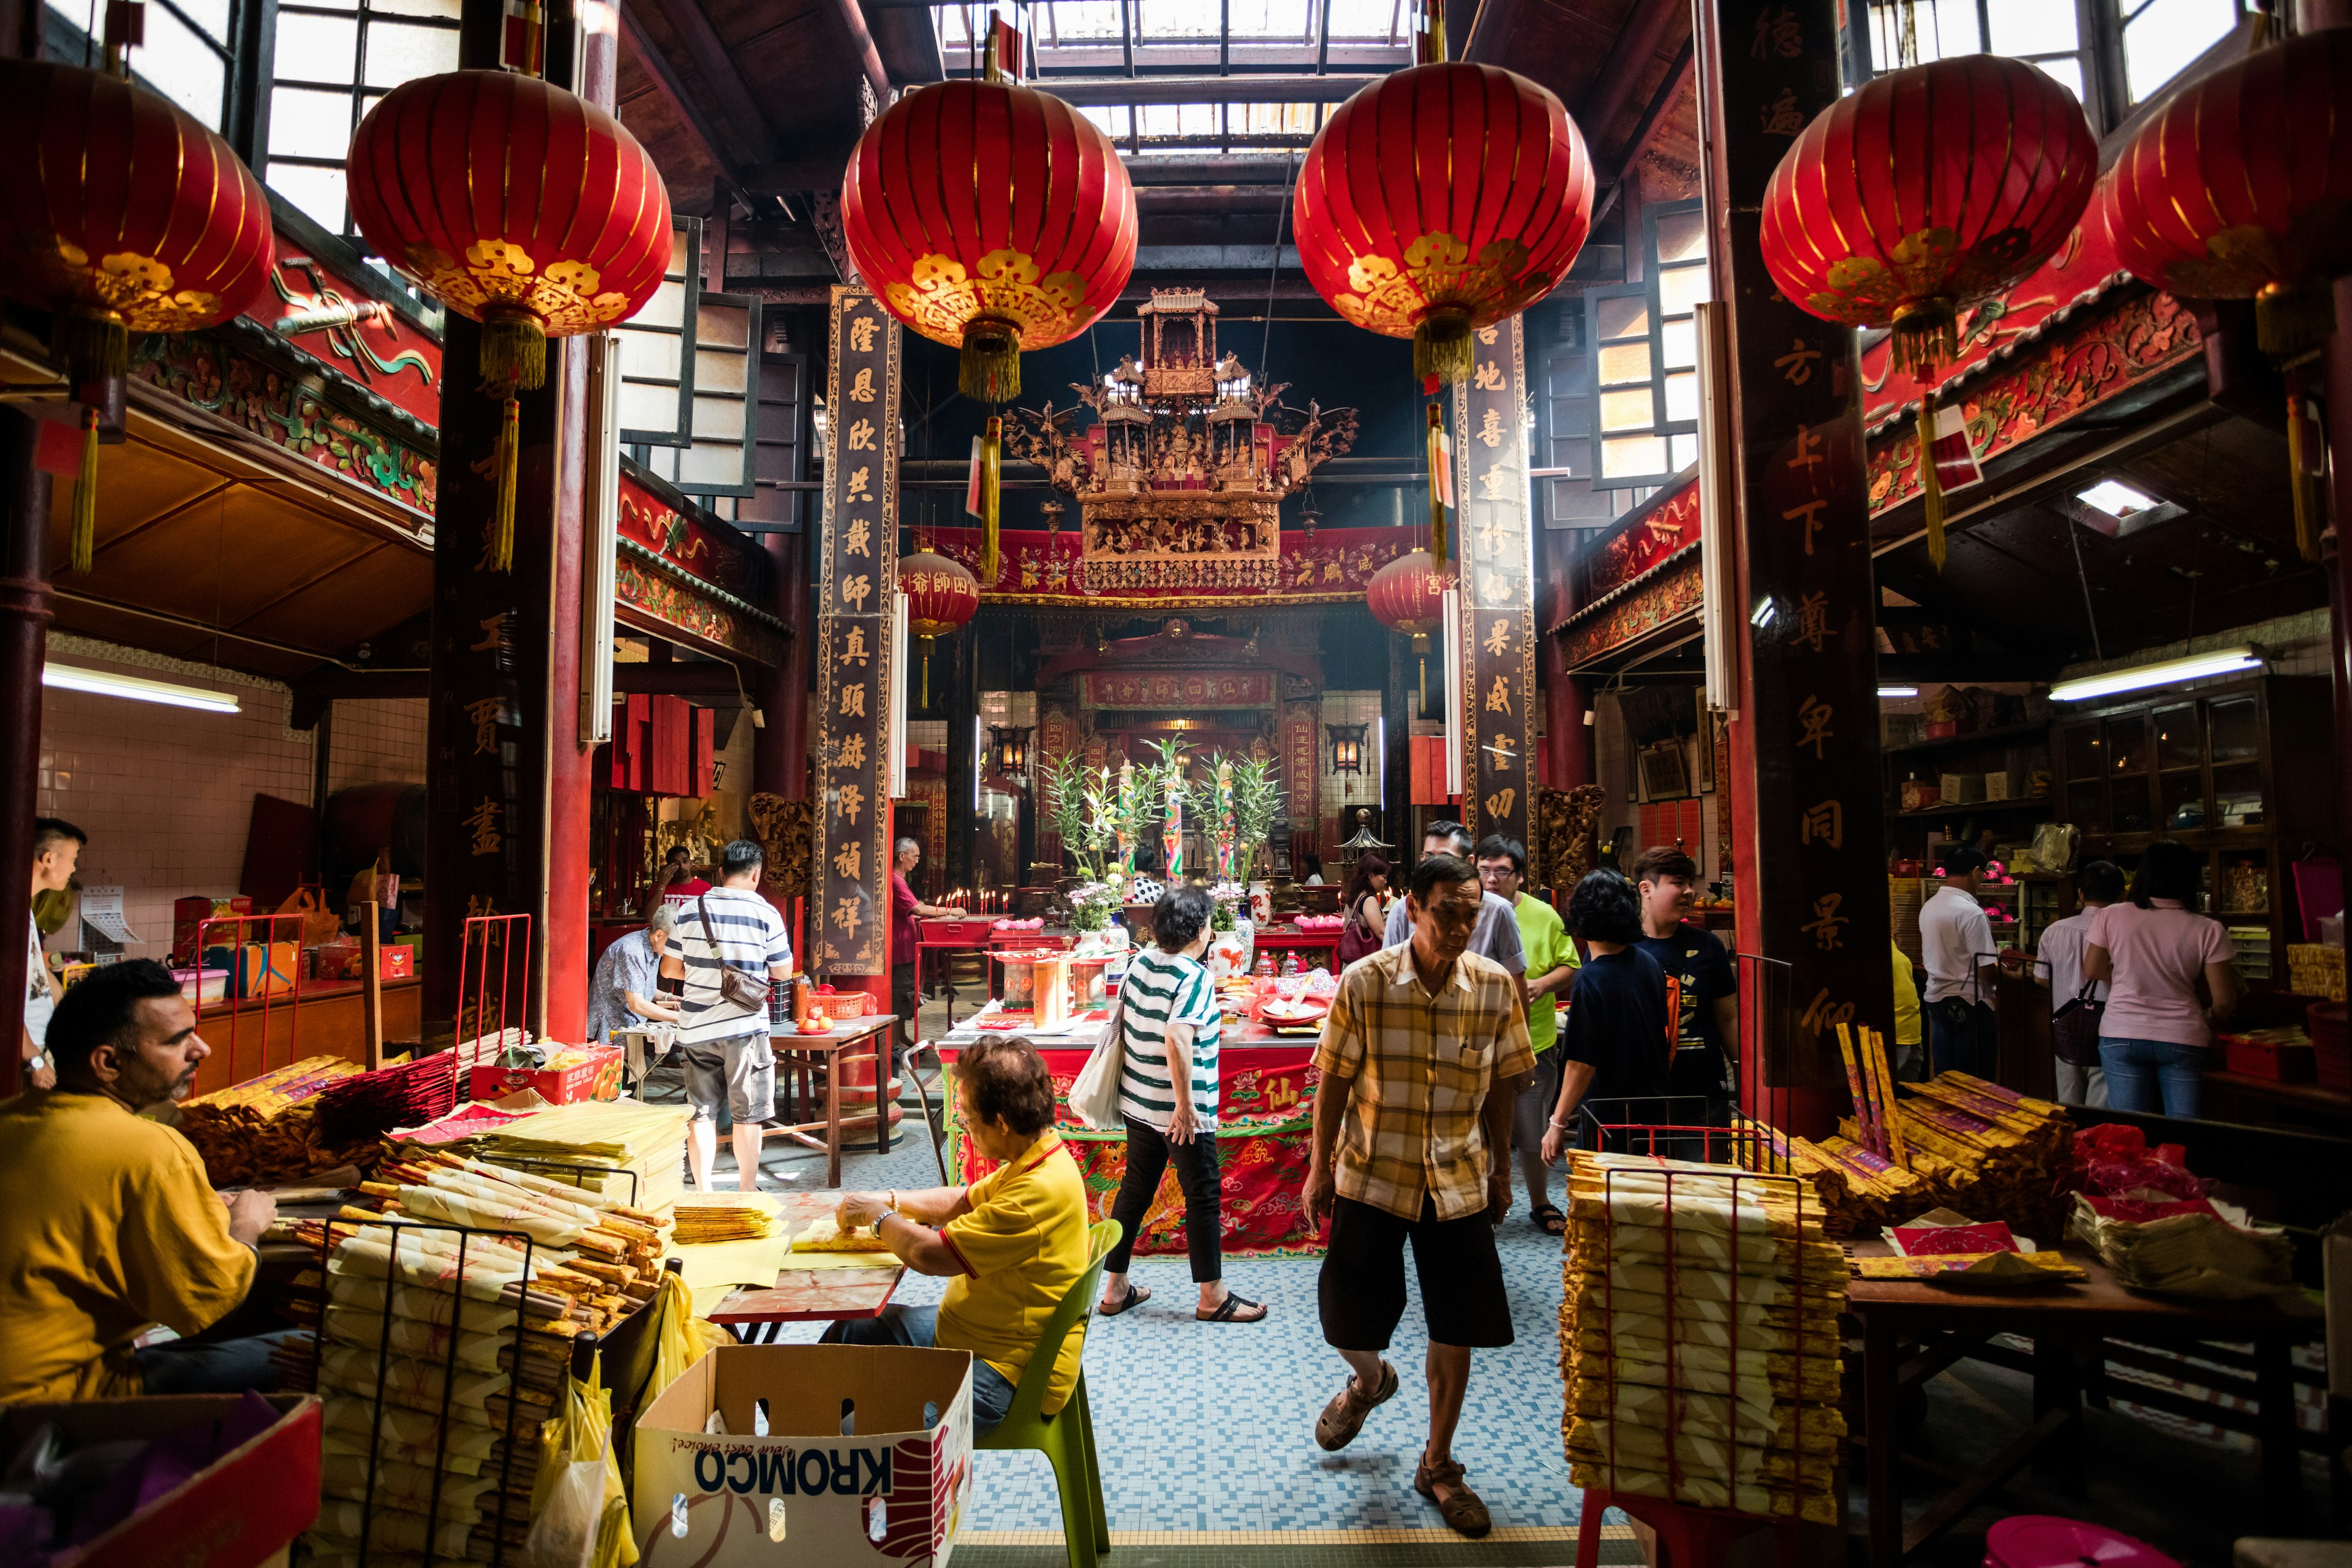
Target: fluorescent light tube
2220,661
106,683
1899,691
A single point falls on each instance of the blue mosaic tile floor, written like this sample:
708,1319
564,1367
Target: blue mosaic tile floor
1211,1426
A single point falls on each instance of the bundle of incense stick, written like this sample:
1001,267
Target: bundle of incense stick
1995,1153
1871,1080
1699,1340
264,1128
701,1222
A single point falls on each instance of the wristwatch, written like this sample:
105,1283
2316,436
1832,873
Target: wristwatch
36,1061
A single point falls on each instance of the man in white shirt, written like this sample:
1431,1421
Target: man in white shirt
729,1064
1955,939
2073,1010
1496,935
57,850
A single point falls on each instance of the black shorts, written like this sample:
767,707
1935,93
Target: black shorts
1362,1291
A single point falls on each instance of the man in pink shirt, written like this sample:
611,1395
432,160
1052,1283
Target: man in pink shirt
2152,949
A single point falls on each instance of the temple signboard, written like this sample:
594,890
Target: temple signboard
1499,618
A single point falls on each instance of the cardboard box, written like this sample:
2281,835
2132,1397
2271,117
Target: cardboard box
187,914
885,1484
396,963
1962,789
2009,784
572,1075
240,1511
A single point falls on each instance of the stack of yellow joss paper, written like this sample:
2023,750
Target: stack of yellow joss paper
1698,1337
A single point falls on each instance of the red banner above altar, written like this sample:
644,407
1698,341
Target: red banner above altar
1043,568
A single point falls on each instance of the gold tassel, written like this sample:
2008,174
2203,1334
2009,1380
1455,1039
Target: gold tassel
992,451
1926,335
1436,496
94,348
2299,471
1931,487
1421,647
2292,316
85,497
1432,42
502,511
990,368
514,353
1442,350
927,672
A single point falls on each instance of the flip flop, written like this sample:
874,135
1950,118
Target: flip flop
1553,1222
1135,1297
1233,1309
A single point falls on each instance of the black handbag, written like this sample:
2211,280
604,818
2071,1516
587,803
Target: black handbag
2075,1028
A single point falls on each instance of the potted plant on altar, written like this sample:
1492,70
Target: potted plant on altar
1241,798
1092,905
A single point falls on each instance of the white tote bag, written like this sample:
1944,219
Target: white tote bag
1094,1097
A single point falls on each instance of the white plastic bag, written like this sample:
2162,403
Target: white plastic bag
563,1533
1094,1097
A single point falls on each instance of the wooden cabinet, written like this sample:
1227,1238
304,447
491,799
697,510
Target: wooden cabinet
2243,773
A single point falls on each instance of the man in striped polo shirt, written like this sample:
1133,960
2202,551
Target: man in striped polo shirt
1168,1093
729,1061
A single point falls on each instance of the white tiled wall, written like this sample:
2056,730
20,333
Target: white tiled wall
1338,794
166,793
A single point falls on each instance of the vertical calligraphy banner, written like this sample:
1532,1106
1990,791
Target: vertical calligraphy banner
1809,844
1057,738
857,588
1302,740
1497,578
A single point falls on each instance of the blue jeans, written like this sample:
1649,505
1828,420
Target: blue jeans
220,1366
2154,1076
1961,1034
991,1396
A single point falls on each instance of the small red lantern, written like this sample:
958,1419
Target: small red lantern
1440,200
119,214
942,597
1408,595
2242,185
516,204
1925,191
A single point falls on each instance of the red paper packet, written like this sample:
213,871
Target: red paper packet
1935,1240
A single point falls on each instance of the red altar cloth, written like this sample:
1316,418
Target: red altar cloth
1265,1112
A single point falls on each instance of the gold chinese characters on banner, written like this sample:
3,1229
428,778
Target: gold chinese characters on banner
856,598
1496,577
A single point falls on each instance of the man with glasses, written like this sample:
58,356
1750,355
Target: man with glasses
1552,966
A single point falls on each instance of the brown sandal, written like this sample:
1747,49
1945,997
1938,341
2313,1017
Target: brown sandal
1344,1416
1463,1512
1135,1297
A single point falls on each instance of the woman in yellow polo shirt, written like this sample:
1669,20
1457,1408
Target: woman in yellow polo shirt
1010,1245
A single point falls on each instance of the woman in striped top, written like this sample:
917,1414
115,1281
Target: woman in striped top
1168,1092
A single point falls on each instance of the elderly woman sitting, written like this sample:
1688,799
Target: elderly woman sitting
626,993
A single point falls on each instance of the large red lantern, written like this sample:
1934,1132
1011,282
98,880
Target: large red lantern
2242,185
991,217
1440,200
119,214
942,597
1408,595
516,204
1919,195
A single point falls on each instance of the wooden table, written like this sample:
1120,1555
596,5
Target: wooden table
809,1295
808,1057
1912,1331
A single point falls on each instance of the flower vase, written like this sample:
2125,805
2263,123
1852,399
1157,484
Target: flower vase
1261,904
1231,952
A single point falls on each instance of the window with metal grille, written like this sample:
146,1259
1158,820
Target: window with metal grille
332,62
189,54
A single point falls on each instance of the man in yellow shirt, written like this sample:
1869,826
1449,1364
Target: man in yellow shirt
111,1225
1012,1244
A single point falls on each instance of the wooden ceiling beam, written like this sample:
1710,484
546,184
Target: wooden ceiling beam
1629,58
1653,119
673,92
754,140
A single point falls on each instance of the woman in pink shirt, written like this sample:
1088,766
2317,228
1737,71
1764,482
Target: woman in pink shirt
2156,1033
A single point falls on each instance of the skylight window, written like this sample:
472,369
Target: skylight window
1178,19
1079,22
2117,499
1163,122
1378,20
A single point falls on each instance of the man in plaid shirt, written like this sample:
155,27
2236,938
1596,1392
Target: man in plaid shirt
1425,1048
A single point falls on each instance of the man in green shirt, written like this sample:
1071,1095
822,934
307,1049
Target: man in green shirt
1551,965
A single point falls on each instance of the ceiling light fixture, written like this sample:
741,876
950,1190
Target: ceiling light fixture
1899,691
2167,672
106,683
2117,509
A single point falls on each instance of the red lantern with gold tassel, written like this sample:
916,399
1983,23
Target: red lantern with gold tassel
119,214
993,218
1923,192
2241,185
1440,200
942,597
1408,595
516,204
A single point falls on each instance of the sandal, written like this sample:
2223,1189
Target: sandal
1551,1221
1135,1297
1232,1310
1344,1416
1463,1512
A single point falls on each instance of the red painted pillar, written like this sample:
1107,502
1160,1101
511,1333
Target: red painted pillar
23,643
2337,384
780,750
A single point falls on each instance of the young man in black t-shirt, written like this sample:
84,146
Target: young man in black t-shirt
1706,1035
1616,1037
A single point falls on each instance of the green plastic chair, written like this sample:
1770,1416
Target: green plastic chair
1067,1436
